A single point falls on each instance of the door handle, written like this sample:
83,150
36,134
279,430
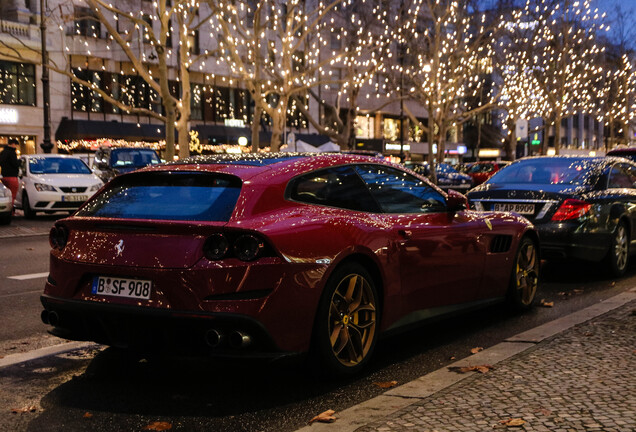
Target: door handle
405,233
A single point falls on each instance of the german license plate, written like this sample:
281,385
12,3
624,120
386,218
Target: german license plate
515,207
121,287
74,197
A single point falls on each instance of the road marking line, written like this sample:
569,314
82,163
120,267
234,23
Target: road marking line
29,276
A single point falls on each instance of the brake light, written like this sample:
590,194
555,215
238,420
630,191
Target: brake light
246,247
58,236
571,209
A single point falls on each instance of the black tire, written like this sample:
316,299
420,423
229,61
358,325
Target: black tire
29,213
524,279
5,219
346,327
618,254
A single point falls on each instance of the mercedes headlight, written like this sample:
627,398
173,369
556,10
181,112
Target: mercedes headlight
95,187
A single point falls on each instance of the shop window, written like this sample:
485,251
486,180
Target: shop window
365,126
221,103
193,43
391,129
17,83
135,92
85,23
85,99
146,29
196,102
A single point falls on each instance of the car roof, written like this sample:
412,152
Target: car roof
625,150
50,155
247,165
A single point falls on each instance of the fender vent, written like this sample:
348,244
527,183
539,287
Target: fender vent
500,244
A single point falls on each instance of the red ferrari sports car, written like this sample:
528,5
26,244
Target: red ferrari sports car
267,255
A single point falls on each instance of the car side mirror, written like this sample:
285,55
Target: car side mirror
456,201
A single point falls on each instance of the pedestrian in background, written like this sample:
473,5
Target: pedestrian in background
9,166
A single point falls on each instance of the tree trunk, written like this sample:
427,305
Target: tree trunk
170,119
279,118
557,133
511,143
431,141
256,127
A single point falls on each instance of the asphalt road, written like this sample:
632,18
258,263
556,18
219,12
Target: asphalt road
105,390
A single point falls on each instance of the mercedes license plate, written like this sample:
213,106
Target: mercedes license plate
526,209
74,197
121,287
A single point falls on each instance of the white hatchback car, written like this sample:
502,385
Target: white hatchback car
53,182
6,205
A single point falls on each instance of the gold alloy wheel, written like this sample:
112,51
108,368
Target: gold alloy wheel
352,320
527,271
620,247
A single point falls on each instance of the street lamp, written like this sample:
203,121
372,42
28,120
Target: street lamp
46,91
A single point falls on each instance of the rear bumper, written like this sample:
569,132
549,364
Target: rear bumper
560,240
161,331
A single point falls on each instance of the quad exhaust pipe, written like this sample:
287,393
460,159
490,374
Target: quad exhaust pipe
239,339
235,339
214,338
50,317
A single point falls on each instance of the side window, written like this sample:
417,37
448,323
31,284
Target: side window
399,192
23,166
334,187
620,177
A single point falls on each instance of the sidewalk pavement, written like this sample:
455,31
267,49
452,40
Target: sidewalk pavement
577,373
20,227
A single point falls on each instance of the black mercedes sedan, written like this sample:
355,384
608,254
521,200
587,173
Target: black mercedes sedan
582,207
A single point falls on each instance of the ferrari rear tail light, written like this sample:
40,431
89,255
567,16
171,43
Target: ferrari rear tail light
571,209
247,247
216,247
58,236
244,246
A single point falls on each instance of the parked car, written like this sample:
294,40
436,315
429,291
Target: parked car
626,152
6,205
483,170
53,182
582,208
447,176
267,255
110,162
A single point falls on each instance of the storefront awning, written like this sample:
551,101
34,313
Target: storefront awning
70,129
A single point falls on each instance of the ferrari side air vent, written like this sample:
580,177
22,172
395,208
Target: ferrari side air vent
500,244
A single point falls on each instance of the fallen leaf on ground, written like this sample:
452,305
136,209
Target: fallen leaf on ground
88,415
386,384
452,358
324,417
545,303
476,350
31,408
159,426
545,412
613,284
577,291
464,369
512,422
29,248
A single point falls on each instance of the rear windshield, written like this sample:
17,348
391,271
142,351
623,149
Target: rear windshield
133,158
548,171
57,165
167,196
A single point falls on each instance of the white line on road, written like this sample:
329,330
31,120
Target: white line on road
29,276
